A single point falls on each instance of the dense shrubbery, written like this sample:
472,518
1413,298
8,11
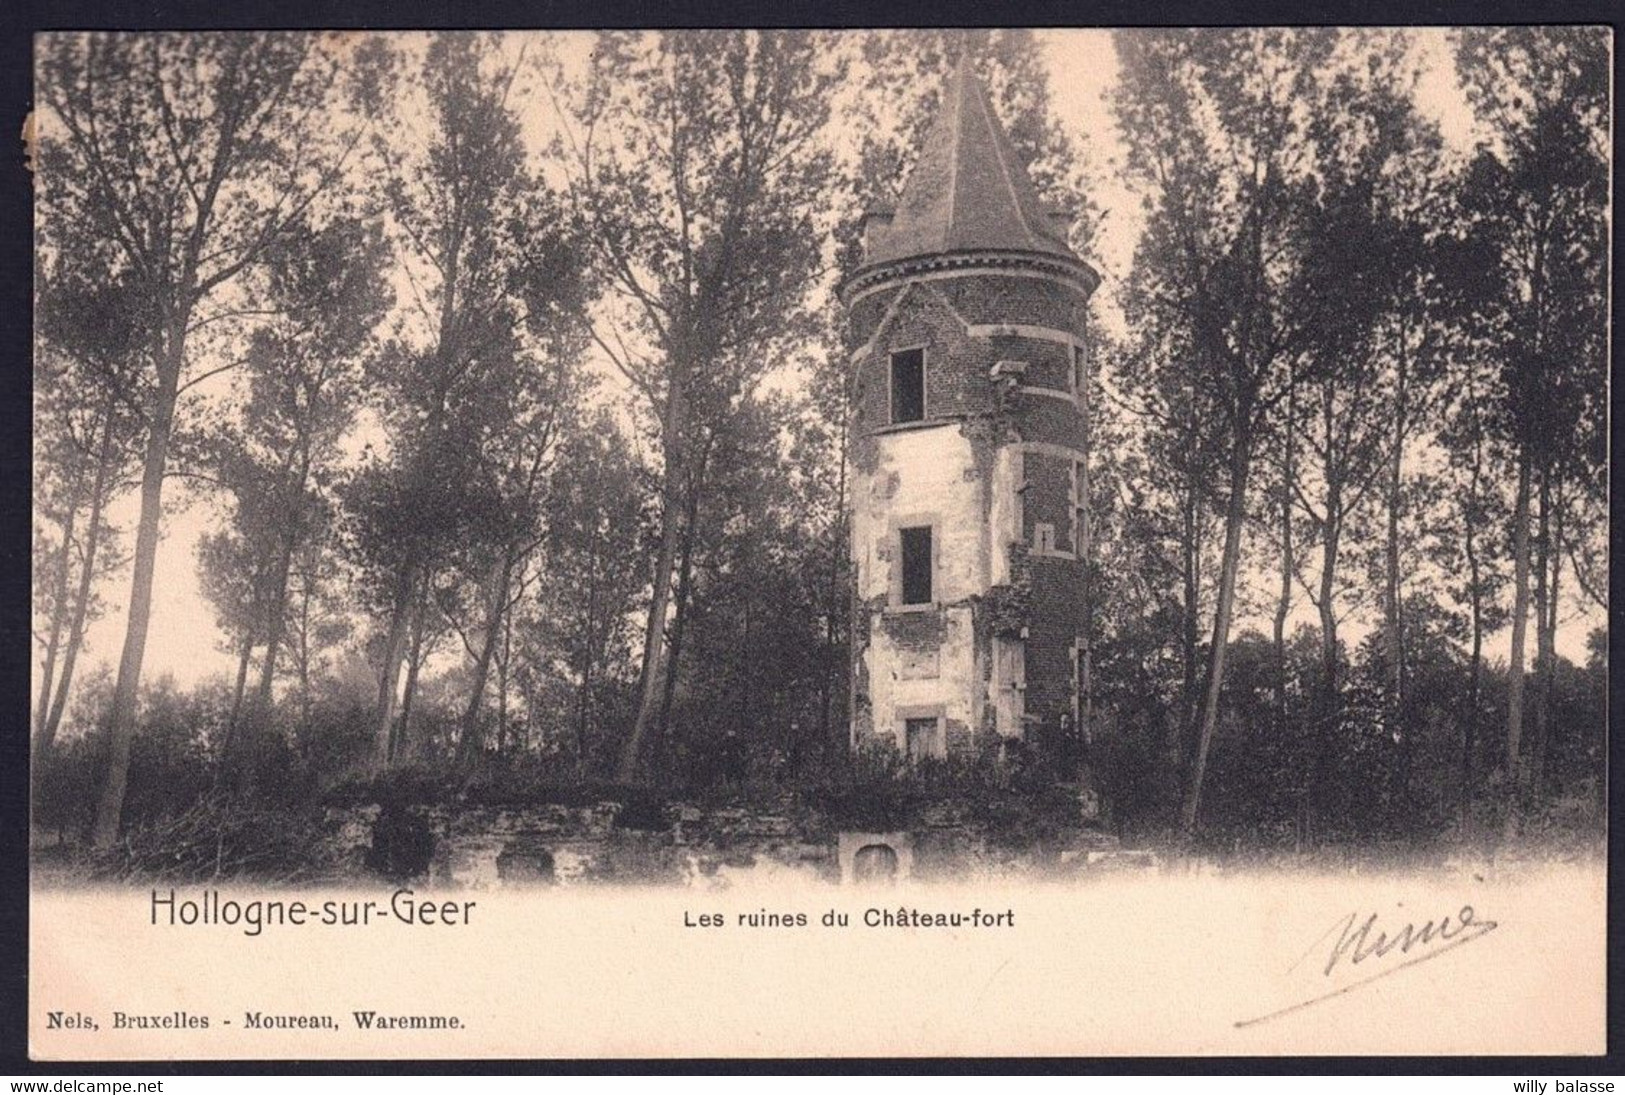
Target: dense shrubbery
1389,777
1021,796
218,836
178,787
1395,778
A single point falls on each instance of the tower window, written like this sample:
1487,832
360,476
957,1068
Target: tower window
915,546
908,386
923,739
1080,373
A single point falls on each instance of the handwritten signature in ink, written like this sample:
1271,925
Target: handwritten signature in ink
1363,945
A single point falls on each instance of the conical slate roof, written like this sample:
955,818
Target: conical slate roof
968,191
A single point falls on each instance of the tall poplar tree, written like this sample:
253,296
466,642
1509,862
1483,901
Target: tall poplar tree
192,154
698,164
1218,144
1536,198
470,389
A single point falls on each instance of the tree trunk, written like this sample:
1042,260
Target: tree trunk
276,621
1549,686
654,631
530,719
1393,596
1545,560
260,711
1327,710
470,743
685,568
1283,601
1235,517
394,650
87,577
1517,770
1475,596
59,622
228,744
1469,734
305,579
502,676
1520,616
1184,734
674,653
402,732
588,658
121,719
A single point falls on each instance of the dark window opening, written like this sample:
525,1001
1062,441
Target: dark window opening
1080,378
916,550
923,739
908,386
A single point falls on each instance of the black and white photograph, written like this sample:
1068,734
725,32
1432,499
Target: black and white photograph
841,542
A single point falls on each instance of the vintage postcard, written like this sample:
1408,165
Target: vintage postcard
843,543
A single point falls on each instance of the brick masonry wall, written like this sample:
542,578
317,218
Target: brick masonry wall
956,365
1058,586
934,315
1042,419
999,298
1049,364
1047,498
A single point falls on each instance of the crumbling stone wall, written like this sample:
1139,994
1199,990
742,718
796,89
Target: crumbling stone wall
491,847
918,657
478,847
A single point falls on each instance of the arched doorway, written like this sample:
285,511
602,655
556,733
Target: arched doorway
874,863
522,864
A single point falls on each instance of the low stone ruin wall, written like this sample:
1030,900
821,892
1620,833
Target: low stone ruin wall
488,847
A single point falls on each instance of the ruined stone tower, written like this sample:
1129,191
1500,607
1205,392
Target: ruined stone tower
968,451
